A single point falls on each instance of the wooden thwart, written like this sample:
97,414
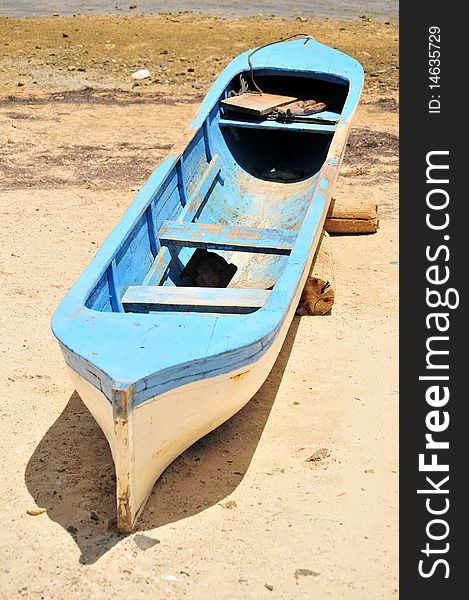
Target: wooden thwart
227,237
304,127
256,104
235,300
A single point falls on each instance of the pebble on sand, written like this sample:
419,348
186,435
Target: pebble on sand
144,542
141,74
34,512
230,504
319,455
306,573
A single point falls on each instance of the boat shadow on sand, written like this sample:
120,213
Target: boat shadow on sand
71,472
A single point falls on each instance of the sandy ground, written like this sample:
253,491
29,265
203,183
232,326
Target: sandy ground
243,513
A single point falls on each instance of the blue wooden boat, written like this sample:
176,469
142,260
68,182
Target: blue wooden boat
161,357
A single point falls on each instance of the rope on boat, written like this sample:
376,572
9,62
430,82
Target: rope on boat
290,37
244,87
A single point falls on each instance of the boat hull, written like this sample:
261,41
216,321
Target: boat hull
157,379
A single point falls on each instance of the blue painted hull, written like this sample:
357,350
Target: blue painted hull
258,175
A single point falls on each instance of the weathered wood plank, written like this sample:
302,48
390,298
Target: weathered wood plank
256,104
350,226
227,237
158,269
189,298
276,125
202,189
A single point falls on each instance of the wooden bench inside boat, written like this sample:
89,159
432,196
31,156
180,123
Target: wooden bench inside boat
226,237
228,300
303,127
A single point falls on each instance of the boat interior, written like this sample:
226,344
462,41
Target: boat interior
217,233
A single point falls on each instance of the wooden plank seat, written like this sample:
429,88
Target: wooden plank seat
302,126
226,237
228,300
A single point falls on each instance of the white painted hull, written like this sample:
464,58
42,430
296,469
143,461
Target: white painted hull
161,428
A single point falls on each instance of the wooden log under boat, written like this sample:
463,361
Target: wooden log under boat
318,295
352,215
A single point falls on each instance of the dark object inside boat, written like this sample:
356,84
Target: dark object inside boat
301,108
207,269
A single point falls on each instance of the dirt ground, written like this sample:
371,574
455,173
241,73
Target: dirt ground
243,513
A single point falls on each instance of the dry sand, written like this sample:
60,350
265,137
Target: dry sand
243,513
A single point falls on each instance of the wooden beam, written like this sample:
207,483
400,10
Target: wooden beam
203,187
181,181
154,245
116,303
227,237
277,126
318,294
233,300
159,267
208,150
352,215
